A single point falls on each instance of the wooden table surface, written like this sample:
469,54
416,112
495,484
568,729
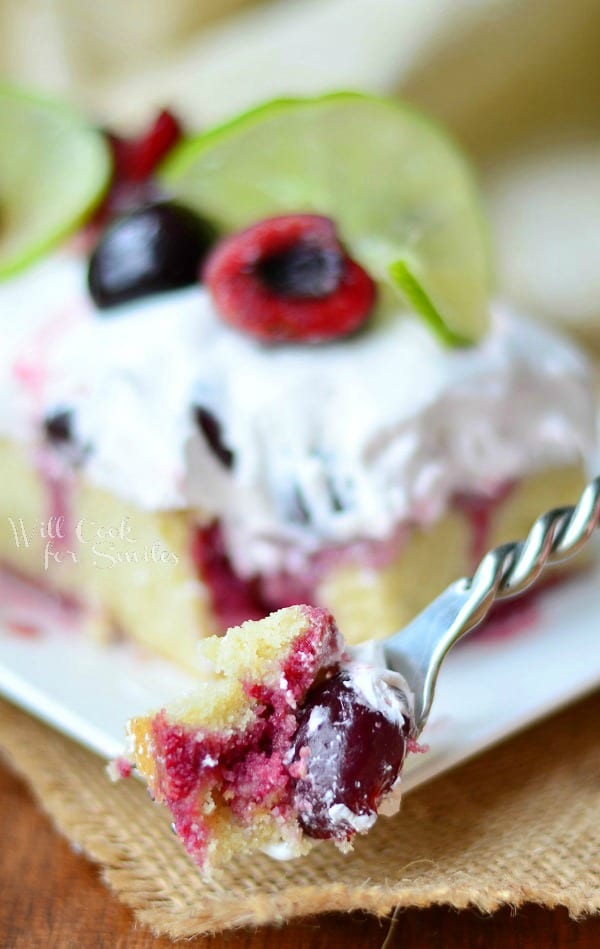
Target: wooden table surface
53,898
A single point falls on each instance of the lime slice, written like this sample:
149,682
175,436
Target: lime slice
54,168
402,195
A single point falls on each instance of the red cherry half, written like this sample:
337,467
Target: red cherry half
289,279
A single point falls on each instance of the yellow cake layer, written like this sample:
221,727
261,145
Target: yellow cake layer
159,601
252,652
133,568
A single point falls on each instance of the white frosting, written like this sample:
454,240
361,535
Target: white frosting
282,850
361,434
360,823
377,686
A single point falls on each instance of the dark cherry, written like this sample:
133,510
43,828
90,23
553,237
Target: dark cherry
58,427
355,755
303,272
210,427
155,248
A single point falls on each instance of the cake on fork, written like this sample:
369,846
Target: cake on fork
260,367
286,740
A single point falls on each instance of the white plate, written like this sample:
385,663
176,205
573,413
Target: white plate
488,688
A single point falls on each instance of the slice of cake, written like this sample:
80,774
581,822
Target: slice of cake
287,741
250,380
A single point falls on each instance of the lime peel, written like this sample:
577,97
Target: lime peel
415,295
54,170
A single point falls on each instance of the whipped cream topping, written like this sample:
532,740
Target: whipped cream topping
377,686
331,443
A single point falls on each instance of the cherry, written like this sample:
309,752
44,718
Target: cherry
347,753
58,427
210,427
135,159
289,279
157,247
234,599
302,272
134,162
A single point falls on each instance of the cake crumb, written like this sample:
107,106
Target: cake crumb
118,769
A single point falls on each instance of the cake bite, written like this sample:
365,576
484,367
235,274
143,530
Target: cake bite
287,740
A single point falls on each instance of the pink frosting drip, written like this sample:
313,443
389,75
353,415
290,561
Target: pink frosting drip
58,482
30,609
480,511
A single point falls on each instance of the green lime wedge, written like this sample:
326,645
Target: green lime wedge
54,169
400,192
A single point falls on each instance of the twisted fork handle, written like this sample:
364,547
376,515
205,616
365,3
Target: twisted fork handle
511,568
418,650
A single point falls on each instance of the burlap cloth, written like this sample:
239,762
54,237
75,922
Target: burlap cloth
518,824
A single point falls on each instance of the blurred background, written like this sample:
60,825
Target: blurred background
518,81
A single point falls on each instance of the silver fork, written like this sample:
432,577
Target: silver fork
418,650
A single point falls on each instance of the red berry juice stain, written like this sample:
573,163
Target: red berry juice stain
479,510
234,599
